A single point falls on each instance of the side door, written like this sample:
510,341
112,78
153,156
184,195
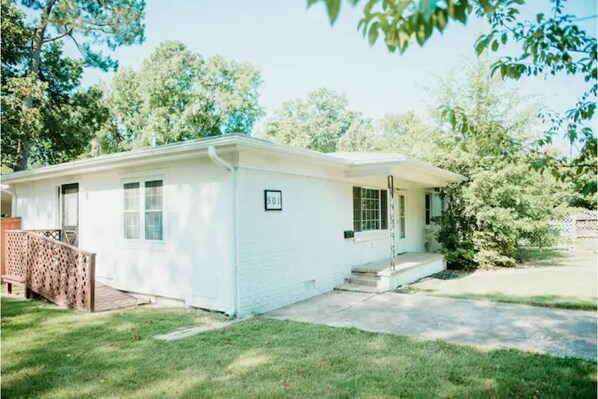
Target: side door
69,207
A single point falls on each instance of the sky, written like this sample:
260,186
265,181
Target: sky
297,51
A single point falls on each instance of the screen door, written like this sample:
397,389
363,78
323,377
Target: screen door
70,213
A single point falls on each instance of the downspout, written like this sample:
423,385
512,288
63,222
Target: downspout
233,264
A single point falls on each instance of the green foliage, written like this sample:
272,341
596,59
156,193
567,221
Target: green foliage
179,95
46,117
91,25
551,44
503,204
15,35
319,123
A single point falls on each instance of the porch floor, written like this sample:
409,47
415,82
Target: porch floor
379,277
108,298
402,262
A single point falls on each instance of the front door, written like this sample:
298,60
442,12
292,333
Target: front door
70,213
401,221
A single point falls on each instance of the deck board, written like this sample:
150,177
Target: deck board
108,298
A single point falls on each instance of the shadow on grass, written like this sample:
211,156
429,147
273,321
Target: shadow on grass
546,301
59,353
541,257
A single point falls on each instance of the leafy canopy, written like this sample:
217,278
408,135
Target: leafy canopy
179,95
321,122
550,43
46,116
502,204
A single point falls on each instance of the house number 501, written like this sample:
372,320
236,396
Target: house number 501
273,200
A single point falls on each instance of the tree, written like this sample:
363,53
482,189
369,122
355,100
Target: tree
551,43
502,204
407,134
39,75
179,95
317,123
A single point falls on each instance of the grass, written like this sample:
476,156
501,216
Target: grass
541,257
55,353
546,301
529,258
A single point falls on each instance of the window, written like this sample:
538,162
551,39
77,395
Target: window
143,211
131,210
153,210
428,209
369,209
402,216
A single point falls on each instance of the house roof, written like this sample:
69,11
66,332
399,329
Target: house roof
358,164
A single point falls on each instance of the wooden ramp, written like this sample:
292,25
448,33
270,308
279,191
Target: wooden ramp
108,298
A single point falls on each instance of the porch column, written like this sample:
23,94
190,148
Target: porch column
391,222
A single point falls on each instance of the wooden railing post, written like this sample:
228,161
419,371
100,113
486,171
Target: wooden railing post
91,290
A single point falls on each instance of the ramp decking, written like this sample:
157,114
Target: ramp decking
108,298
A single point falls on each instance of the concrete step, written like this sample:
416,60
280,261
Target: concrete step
364,272
359,288
363,280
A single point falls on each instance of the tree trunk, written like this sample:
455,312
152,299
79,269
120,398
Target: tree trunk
37,42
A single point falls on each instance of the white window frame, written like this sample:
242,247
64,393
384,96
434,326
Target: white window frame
380,229
142,179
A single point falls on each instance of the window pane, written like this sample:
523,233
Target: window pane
131,225
70,206
370,209
428,208
131,196
153,225
153,194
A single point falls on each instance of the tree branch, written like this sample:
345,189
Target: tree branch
53,39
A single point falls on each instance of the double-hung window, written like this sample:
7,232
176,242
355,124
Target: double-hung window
143,210
369,209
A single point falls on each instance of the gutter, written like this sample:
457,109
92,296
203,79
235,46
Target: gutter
233,264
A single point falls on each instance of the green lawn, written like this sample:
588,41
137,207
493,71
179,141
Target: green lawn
546,301
541,257
547,277
50,352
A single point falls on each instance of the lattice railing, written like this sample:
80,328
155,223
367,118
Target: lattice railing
50,233
59,272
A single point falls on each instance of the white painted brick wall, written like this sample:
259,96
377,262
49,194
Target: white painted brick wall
281,253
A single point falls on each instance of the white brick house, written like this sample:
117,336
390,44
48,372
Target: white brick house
189,221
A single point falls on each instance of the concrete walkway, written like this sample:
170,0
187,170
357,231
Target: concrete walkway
486,324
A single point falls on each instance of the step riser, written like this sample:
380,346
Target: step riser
364,273
368,282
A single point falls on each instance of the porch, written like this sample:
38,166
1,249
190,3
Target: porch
380,276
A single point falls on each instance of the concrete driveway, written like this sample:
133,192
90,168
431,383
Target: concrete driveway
486,324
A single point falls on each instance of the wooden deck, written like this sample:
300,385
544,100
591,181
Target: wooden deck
108,298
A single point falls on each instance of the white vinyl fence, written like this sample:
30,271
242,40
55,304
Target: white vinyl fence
580,226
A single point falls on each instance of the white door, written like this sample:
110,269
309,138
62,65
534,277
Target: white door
401,221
